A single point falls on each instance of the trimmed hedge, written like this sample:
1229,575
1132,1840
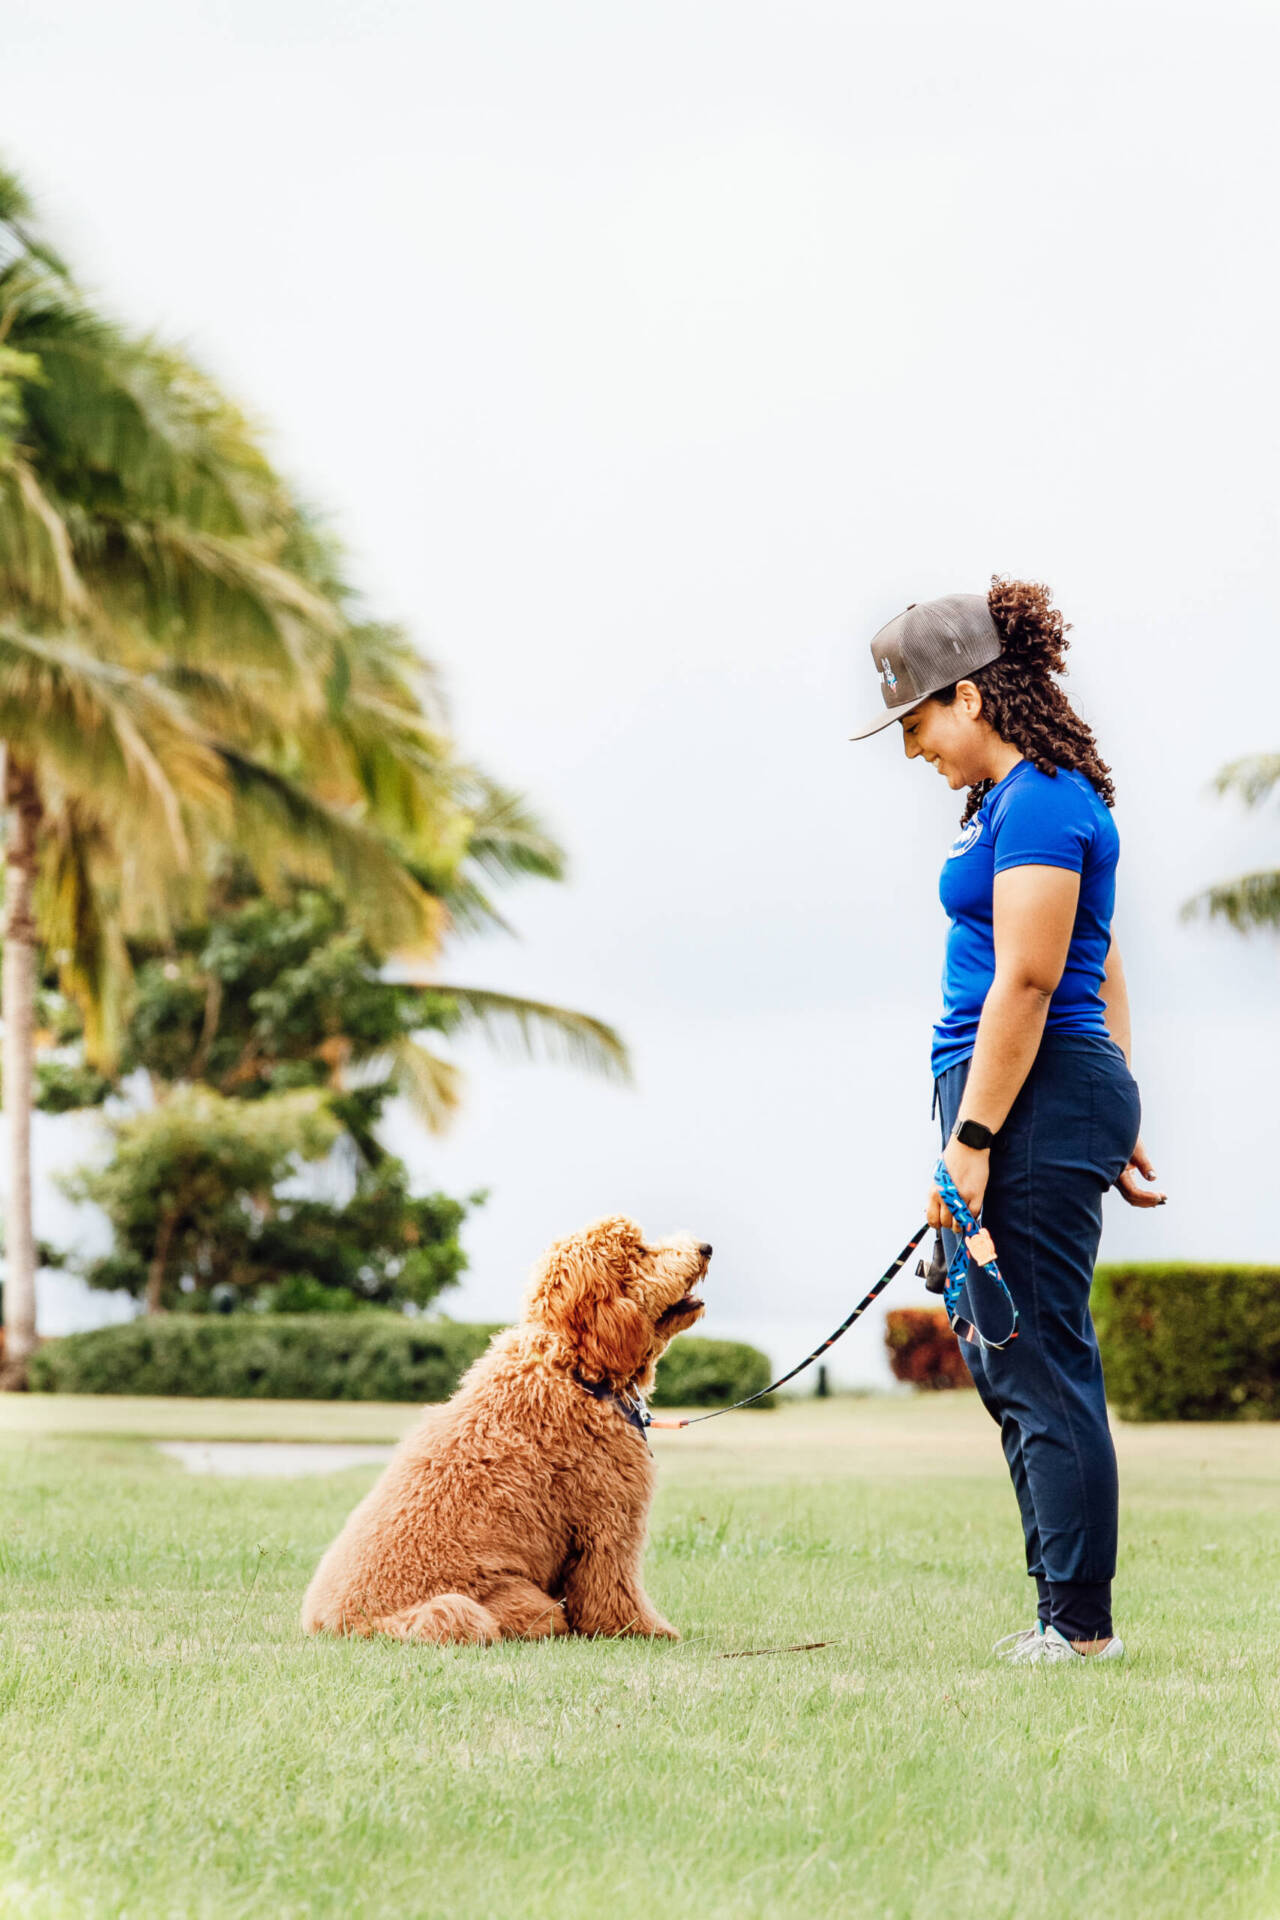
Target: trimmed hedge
696,1372
265,1356
373,1355
1190,1342
922,1348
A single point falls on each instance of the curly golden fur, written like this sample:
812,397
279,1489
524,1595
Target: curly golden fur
519,1508
1020,697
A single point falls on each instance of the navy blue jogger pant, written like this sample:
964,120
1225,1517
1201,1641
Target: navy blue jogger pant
1068,1137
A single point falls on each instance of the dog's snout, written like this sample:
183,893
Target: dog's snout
704,1249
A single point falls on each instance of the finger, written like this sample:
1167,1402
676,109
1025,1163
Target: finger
948,1220
1138,1196
1142,1161
933,1211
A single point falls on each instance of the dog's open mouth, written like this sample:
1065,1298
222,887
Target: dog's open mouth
688,1303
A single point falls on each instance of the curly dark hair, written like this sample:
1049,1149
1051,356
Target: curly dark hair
1020,697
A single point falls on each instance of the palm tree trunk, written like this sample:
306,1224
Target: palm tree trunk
17,1005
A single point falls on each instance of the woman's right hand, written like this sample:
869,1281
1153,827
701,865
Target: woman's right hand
1127,1184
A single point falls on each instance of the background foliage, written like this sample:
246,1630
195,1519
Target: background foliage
1190,1342
922,1348
351,1356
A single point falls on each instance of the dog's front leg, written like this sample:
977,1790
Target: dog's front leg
603,1592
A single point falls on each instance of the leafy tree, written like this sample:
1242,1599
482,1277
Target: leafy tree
185,670
1252,901
272,1004
191,1182
141,531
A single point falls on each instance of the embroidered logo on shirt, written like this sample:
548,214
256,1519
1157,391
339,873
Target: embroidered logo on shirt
965,838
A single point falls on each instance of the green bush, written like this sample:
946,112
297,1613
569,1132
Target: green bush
1190,1342
694,1372
267,1356
372,1355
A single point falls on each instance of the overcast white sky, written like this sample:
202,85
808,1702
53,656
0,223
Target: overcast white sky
649,358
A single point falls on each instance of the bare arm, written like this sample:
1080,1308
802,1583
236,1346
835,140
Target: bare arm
1114,994
1033,911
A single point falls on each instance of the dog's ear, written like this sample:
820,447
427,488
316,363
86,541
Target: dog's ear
577,1292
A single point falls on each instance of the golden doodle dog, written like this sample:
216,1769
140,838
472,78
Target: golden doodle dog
519,1508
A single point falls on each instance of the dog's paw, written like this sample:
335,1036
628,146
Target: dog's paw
662,1630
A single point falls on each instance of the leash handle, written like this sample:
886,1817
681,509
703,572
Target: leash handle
697,1418
973,1242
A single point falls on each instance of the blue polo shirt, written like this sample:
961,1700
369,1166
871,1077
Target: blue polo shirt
1029,819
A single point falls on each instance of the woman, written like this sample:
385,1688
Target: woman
1030,1061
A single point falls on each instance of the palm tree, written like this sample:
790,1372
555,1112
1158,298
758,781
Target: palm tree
137,519
1252,901
183,671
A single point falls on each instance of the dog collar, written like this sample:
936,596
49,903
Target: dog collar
633,1410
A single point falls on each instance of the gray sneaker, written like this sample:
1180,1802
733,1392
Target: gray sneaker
1052,1649
1012,1645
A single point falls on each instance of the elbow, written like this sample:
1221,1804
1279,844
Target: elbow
1036,989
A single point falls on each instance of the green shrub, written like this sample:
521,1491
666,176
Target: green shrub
267,1356
695,1372
1190,1342
372,1355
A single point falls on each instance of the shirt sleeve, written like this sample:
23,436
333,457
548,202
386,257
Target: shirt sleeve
1043,822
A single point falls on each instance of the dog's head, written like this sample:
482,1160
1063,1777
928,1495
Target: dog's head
616,1301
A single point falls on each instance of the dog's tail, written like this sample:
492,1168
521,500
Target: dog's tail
450,1619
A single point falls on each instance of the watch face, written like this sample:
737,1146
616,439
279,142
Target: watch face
972,1133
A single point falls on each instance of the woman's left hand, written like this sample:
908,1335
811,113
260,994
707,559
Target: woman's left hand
1127,1185
969,1168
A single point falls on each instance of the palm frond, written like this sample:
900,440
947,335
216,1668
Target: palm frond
507,839
390,761
536,1028
15,201
1252,777
252,708
199,588
102,731
432,1086
282,828
37,564
469,907
132,426
17,211
1247,904
82,928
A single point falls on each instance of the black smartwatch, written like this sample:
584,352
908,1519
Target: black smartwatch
972,1133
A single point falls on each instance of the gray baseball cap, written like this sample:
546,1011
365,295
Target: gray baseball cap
931,645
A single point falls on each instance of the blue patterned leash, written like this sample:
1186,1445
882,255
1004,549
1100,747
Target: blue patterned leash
973,1243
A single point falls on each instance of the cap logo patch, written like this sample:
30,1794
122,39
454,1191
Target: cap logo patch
890,677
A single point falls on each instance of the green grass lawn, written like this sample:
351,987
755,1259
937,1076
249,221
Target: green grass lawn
170,1745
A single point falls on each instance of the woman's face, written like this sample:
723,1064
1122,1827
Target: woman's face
954,739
